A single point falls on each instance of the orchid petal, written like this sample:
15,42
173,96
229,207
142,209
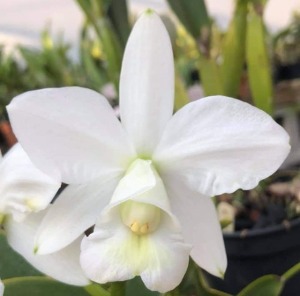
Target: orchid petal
138,178
71,133
114,248
114,253
23,187
200,227
141,183
1,288
168,261
147,83
219,144
75,210
63,266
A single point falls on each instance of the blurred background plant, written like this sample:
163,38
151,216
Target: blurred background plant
287,43
244,62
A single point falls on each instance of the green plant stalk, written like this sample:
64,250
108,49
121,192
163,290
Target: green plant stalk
106,34
202,286
181,96
174,292
118,14
210,76
118,289
291,272
234,50
193,15
112,50
96,290
86,7
93,70
259,68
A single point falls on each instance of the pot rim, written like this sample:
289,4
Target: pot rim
283,227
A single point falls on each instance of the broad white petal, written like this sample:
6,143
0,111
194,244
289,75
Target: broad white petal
1,288
219,144
147,83
63,266
71,133
200,227
114,253
75,210
23,188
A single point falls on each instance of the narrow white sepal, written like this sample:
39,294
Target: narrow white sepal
147,83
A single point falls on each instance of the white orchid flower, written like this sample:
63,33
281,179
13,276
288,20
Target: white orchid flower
1,288
25,193
144,182
24,188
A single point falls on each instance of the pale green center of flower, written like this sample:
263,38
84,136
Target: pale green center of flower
140,217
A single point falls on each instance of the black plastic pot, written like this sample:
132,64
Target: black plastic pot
288,72
255,253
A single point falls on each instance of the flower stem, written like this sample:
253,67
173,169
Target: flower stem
118,289
291,272
96,290
174,292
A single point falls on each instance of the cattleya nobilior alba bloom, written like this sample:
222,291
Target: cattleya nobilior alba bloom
145,182
25,193
1,288
24,189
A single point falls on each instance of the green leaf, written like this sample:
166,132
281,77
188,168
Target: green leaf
105,31
234,50
258,61
269,284
93,70
112,49
210,76
12,264
181,96
193,15
266,285
291,272
118,14
37,286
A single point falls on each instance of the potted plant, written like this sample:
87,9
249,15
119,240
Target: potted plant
261,232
